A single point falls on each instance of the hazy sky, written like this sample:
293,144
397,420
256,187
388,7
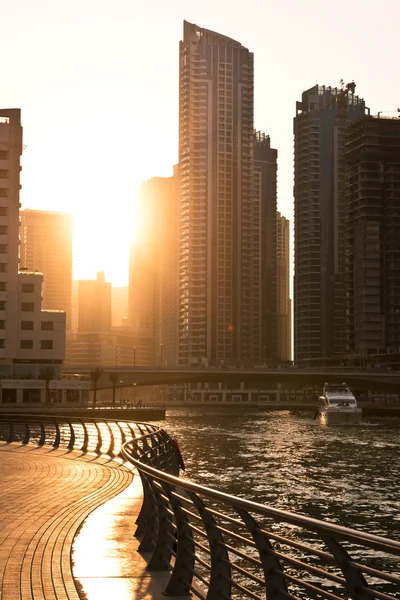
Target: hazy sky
97,82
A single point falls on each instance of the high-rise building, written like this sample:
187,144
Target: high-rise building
46,246
284,303
29,336
319,287
92,305
153,268
119,305
372,161
219,309
265,175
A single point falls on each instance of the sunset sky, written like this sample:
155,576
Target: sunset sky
97,83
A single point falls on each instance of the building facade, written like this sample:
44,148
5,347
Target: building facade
92,304
265,179
372,161
153,268
46,246
29,336
319,212
283,301
219,314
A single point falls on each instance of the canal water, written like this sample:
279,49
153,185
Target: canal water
349,475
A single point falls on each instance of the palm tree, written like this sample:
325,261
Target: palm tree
114,377
47,373
95,375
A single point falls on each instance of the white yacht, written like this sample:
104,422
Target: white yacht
337,405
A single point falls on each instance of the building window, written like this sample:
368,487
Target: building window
3,267
3,229
26,325
3,174
46,344
2,343
3,286
3,248
26,344
4,154
47,325
2,305
2,324
27,306
27,288
3,193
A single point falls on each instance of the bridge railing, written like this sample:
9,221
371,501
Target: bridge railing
219,546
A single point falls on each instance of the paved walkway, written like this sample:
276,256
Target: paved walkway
46,496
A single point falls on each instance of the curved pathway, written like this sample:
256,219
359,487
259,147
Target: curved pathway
45,495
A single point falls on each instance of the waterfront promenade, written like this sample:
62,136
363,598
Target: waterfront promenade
46,496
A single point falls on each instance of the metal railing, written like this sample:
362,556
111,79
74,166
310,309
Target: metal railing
220,546
87,434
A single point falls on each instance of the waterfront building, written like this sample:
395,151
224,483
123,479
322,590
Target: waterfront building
372,162
319,212
153,268
265,174
92,304
283,301
46,246
219,307
30,337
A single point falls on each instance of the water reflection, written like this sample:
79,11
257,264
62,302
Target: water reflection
347,475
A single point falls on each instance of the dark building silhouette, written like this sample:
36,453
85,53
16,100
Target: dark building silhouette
265,173
319,213
219,311
372,160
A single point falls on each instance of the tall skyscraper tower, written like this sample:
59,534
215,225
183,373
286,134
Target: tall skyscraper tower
46,246
29,336
372,161
284,303
219,317
319,286
153,268
265,174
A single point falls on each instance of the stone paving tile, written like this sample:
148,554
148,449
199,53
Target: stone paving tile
106,561
45,496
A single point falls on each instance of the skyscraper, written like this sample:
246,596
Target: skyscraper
284,303
153,268
92,304
46,246
265,174
319,287
372,161
219,316
29,336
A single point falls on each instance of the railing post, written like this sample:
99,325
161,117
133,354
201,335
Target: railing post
182,574
150,526
161,558
27,433
10,432
84,447
274,582
42,438
221,572
354,579
111,446
99,439
71,443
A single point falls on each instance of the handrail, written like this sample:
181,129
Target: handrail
220,546
106,437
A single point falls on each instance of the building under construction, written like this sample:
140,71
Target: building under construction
372,235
